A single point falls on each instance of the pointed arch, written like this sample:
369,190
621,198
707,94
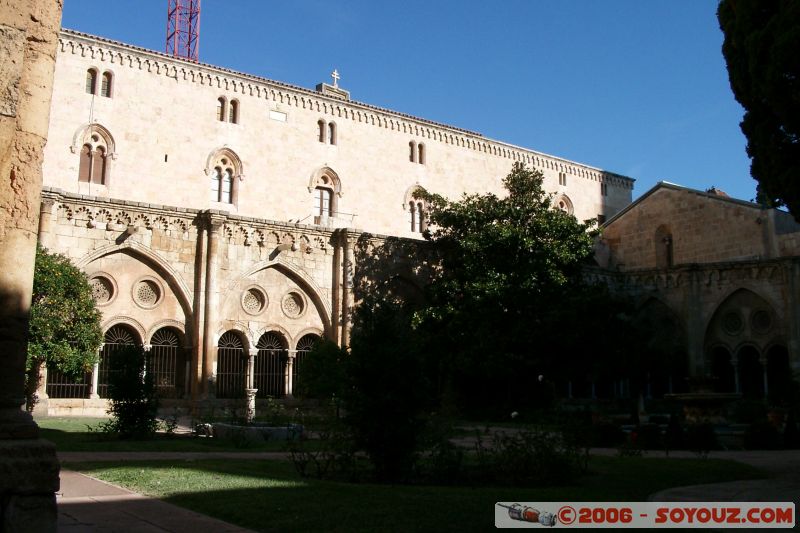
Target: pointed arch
83,135
228,153
299,276
152,259
325,175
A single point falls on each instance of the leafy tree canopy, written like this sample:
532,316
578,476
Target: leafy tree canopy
509,302
65,325
762,39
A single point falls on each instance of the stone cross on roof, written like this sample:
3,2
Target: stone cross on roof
335,76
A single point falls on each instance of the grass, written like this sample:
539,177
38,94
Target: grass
73,435
270,496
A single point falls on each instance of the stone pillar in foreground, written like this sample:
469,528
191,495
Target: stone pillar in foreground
28,466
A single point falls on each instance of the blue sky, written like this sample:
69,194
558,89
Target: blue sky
634,87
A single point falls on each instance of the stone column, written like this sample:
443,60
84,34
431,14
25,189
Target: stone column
211,305
336,285
198,353
693,305
735,363
763,361
251,368
28,40
250,414
46,222
93,395
292,354
348,275
41,406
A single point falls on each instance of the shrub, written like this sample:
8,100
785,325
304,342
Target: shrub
132,395
532,457
649,437
674,439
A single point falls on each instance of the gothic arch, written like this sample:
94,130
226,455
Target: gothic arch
224,151
300,277
84,133
742,295
154,260
408,197
744,287
325,176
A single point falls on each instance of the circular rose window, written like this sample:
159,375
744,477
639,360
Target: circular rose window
293,304
254,300
732,323
147,293
102,290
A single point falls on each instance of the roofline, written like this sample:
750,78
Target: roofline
75,33
676,187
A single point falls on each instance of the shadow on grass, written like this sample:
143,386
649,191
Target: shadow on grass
269,495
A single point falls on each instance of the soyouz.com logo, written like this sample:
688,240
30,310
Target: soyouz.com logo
667,515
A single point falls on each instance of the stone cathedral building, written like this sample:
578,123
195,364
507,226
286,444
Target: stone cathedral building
216,212
216,215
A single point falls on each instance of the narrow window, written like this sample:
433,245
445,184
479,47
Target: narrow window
221,109
91,81
413,210
321,136
663,242
105,88
86,163
332,133
216,179
420,217
421,158
323,202
226,195
233,115
99,165
412,151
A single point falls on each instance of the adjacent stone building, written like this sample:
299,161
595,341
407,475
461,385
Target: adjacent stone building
718,275
216,213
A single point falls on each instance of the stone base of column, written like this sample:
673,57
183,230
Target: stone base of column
28,483
250,413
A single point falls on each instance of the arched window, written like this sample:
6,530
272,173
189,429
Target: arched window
118,337
421,224
225,170
421,157
233,114
323,201
413,210
268,375
166,362
304,346
332,133
231,366
221,108
663,243
326,189
563,203
91,81
96,148
84,171
222,183
412,151
417,208
105,87
321,126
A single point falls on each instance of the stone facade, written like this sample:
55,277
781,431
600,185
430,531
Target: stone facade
723,270
219,210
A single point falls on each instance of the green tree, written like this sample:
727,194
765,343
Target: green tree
65,329
762,38
509,303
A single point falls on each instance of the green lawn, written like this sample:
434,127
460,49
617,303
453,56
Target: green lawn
72,435
269,496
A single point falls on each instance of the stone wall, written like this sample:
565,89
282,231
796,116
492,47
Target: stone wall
161,117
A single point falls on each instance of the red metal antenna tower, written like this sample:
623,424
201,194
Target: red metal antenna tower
183,29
